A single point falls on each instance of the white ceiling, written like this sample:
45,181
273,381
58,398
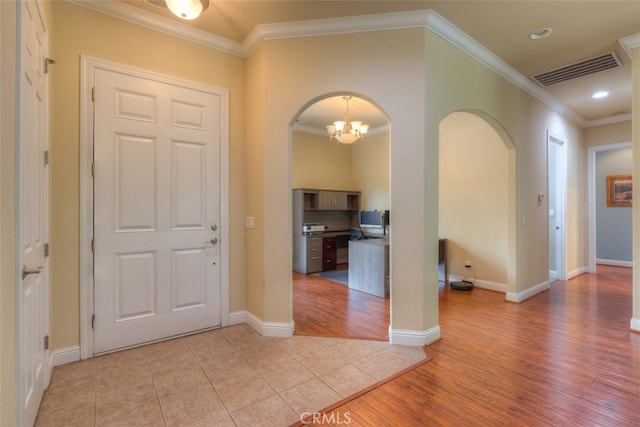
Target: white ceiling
580,30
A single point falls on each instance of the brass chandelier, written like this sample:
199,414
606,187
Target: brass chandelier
346,131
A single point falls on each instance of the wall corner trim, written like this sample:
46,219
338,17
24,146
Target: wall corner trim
527,293
269,329
414,338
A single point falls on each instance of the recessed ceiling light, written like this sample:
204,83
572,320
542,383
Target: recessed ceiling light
540,34
600,94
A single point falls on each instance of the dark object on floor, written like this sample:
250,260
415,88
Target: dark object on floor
463,285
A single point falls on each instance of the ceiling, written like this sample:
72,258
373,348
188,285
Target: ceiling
580,30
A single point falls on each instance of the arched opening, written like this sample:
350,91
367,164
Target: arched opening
327,298
477,212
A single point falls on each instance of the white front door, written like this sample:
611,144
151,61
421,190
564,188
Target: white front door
157,209
33,307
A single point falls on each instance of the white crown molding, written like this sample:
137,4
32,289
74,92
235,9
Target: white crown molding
413,19
323,27
159,23
629,42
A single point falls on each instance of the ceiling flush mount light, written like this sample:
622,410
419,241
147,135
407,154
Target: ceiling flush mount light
540,34
600,94
187,9
346,131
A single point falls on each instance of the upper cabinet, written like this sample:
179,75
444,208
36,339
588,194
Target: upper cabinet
335,209
338,200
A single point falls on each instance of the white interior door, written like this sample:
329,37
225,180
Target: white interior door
157,209
557,183
33,320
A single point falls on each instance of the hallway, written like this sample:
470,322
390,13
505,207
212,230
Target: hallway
565,357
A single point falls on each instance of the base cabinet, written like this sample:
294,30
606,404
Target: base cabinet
308,254
329,253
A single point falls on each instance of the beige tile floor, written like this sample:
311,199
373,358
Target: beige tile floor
226,377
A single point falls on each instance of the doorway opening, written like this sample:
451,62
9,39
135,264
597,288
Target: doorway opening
477,213
557,195
332,183
610,242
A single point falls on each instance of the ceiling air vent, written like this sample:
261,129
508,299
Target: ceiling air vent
157,3
579,69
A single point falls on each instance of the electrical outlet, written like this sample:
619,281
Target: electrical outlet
467,264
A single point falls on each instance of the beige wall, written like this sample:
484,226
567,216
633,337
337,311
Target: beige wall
607,134
256,192
471,86
79,31
7,214
473,201
317,162
424,90
373,57
370,171
364,166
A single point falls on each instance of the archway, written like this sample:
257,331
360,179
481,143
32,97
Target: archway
477,201
360,171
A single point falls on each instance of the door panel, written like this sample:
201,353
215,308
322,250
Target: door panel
157,204
33,217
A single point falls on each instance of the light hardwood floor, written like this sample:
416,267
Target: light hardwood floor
565,357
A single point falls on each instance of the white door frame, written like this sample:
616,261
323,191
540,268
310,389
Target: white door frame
560,145
591,198
88,65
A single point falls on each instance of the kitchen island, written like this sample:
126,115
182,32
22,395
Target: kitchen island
369,266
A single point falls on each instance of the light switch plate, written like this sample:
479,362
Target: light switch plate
250,222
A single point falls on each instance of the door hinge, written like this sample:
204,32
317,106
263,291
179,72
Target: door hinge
93,321
93,245
46,250
46,157
93,169
93,94
46,342
47,62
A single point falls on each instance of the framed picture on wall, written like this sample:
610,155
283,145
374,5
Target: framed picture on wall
619,190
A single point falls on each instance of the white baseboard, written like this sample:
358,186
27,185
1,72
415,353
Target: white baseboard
635,325
576,273
414,338
62,356
269,329
527,293
614,262
484,284
237,318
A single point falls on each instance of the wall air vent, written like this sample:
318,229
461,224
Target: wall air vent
583,68
157,3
